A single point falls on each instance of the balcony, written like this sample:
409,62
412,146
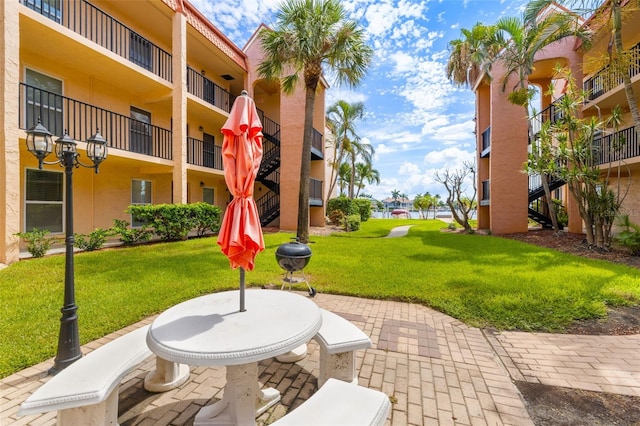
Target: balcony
486,193
486,143
59,113
204,154
90,22
606,80
270,129
205,89
316,146
605,151
315,192
551,113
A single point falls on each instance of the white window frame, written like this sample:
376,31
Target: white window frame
36,202
213,195
133,223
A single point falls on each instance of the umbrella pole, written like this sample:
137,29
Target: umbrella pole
242,309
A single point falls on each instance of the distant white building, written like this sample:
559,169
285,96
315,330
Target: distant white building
398,203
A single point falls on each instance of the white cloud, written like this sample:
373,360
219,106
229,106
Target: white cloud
448,158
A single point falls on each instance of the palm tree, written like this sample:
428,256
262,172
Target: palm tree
423,203
473,55
365,172
527,37
356,149
344,175
341,119
310,35
395,195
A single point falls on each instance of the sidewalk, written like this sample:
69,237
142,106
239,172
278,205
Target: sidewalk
435,369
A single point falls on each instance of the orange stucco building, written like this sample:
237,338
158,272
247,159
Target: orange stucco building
158,81
506,194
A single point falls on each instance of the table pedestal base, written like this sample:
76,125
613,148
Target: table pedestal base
242,401
294,355
167,375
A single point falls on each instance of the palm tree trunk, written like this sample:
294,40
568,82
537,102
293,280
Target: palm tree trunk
626,79
550,205
544,177
305,168
337,160
352,180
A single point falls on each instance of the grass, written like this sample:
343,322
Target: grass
484,281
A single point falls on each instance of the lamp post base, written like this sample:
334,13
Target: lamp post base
68,341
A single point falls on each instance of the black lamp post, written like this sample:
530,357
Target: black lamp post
39,143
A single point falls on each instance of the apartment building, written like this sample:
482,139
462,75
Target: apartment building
507,196
157,80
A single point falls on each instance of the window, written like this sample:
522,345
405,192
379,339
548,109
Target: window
44,200
140,51
207,195
208,150
141,140
140,195
44,101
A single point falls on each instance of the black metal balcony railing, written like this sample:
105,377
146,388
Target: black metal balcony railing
200,153
617,146
486,139
92,23
486,194
551,113
316,142
59,113
606,79
205,89
270,128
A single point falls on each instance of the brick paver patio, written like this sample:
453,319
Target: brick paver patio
435,369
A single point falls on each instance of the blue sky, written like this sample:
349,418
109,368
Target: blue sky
416,120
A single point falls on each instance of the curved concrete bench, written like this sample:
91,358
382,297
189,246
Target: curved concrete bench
338,340
86,392
340,403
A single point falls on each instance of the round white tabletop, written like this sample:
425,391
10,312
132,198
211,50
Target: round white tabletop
210,330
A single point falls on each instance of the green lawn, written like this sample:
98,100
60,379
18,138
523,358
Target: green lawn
481,280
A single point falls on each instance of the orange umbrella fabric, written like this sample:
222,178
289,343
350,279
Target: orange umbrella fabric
240,236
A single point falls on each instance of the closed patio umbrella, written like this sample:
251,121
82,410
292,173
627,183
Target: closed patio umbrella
240,236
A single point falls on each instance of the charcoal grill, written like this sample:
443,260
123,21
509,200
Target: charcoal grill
293,257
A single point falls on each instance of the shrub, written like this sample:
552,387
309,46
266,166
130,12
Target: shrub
561,212
337,217
208,218
93,241
37,241
352,222
364,208
629,237
171,222
343,204
129,236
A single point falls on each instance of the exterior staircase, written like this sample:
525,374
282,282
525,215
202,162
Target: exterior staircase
269,173
536,192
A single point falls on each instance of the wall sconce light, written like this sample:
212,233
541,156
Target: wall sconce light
202,72
201,184
201,128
